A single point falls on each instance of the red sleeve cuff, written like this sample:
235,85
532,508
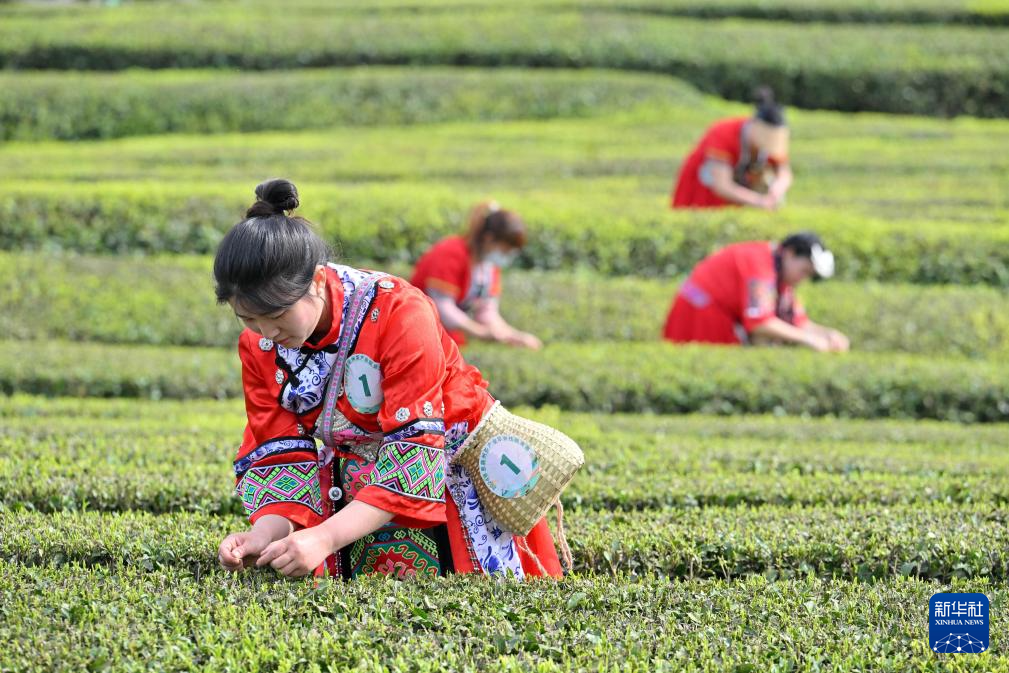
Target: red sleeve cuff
750,324
301,516
408,512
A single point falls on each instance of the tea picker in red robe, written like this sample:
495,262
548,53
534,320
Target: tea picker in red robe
745,294
462,274
741,161
378,493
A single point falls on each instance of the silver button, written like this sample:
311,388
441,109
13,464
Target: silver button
265,344
335,493
387,285
279,377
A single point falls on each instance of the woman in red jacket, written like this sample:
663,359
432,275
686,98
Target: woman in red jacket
462,274
745,294
741,161
379,494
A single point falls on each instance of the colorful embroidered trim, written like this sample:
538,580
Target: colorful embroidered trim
421,426
356,309
410,469
272,448
400,552
294,482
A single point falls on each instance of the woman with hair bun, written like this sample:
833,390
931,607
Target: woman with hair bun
360,361
462,274
741,161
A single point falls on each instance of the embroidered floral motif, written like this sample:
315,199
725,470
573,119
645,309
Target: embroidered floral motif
311,370
325,455
295,482
400,552
272,448
355,475
419,427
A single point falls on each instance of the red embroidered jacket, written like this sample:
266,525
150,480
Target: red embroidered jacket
403,382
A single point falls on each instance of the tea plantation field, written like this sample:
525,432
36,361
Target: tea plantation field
740,510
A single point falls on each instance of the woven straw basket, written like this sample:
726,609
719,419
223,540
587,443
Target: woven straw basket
519,467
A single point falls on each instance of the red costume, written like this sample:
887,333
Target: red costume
447,268
729,293
723,142
409,401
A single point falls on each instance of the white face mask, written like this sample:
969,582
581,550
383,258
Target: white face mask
501,259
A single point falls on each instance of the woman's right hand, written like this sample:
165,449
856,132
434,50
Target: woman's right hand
769,201
818,342
241,550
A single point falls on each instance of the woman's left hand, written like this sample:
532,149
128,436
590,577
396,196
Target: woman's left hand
300,553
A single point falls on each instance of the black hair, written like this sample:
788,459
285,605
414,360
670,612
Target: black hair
266,262
767,109
802,243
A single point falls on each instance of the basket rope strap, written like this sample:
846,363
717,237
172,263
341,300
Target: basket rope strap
562,542
521,543
562,539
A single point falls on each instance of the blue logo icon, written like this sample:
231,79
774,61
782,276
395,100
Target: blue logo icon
958,623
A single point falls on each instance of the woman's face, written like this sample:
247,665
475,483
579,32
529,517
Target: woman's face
292,327
499,254
771,140
795,269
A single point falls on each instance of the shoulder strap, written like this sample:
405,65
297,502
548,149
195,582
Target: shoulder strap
360,301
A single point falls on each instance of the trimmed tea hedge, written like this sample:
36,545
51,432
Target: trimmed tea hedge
85,486
169,465
980,12
67,618
221,420
75,106
659,377
397,223
935,542
170,301
922,69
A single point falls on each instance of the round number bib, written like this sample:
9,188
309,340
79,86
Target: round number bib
509,466
363,383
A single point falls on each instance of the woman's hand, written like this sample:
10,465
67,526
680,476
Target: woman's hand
300,553
769,201
240,550
818,342
838,342
524,340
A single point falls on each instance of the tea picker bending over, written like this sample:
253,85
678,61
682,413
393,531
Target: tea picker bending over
359,360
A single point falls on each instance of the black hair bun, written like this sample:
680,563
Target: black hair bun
275,197
768,109
763,95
